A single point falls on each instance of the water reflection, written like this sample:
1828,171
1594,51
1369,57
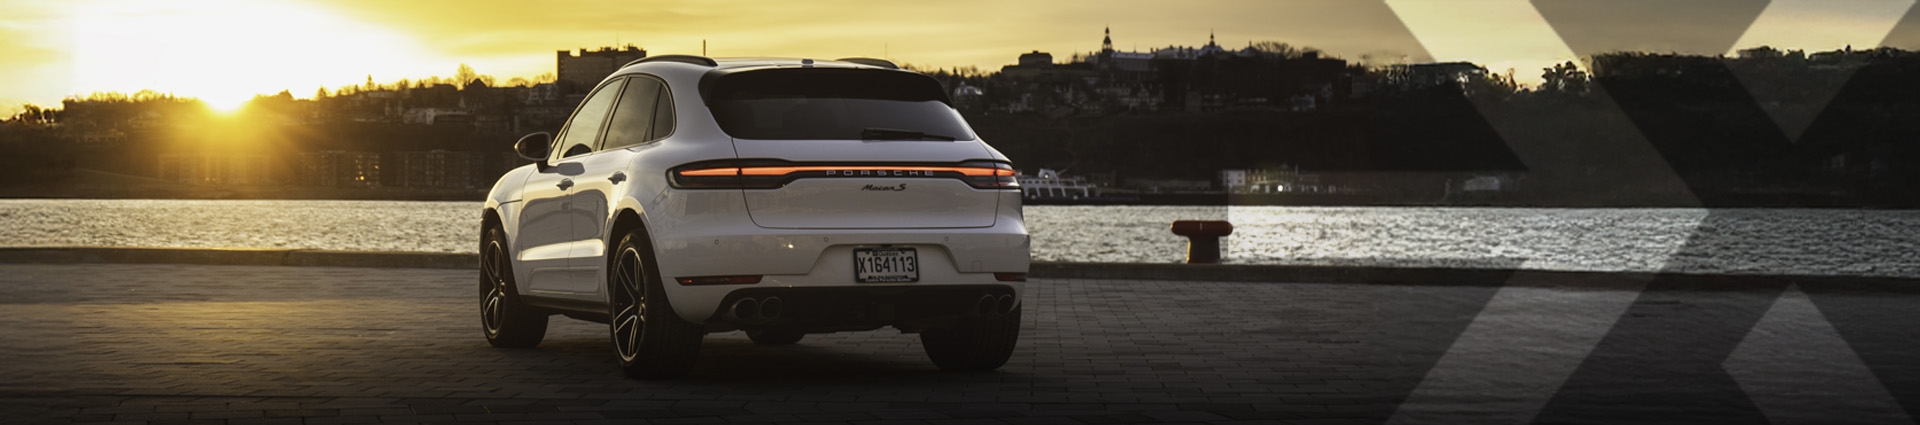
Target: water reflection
1833,242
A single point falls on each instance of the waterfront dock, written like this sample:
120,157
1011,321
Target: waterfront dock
278,336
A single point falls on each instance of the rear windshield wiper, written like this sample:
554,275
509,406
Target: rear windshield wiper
897,134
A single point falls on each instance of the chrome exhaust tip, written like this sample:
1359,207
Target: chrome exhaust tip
771,308
745,308
1004,305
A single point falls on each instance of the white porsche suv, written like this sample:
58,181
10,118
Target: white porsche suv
779,197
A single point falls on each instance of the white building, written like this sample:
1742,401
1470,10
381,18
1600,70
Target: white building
1050,184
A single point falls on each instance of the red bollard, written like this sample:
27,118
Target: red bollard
1203,239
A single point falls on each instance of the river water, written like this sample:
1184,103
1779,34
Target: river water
1759,241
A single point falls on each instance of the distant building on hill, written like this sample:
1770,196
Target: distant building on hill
1033,64
1037,59
579,72
216,168
1110,60
340,169
542,94
1206,78
442,169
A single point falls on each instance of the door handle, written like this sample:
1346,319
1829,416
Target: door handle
618,177
565,183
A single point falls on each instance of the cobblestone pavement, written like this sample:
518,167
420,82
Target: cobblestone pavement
314,345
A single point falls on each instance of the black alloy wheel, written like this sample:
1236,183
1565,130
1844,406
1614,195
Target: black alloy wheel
649,338
506,321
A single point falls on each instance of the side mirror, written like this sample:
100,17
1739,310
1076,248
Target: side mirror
534,147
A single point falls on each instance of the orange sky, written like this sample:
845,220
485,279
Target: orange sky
227,50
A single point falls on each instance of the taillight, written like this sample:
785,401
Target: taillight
1000,177
1010,277
761,174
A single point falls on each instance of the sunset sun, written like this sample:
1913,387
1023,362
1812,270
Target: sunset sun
226,52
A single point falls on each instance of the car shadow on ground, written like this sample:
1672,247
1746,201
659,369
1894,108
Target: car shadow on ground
729,359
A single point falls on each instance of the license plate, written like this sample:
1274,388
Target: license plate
886,265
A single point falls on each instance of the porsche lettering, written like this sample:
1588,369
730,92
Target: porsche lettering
879,173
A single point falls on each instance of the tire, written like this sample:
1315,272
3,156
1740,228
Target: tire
507,322
649,339
977,345
775,336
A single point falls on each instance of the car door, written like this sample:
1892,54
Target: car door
629,132
547,241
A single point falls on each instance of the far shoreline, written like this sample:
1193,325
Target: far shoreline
1161,200
97,184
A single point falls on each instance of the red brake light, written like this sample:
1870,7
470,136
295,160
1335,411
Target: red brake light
737,175
712,172
1010,277
998,175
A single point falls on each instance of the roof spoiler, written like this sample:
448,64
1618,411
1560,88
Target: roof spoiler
688,59
883,63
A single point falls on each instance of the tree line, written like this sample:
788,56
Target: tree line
1765,127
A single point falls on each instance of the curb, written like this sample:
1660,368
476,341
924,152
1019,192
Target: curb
1486,274
238,257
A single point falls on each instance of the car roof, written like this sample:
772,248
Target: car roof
739,63
732,63
702,71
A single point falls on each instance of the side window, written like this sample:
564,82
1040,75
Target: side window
663,116
584,129
633,120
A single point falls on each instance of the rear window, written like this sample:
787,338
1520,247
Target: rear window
833,104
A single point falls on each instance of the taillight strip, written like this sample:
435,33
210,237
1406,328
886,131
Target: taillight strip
781,171
712,172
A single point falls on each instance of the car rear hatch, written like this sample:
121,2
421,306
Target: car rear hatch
854,148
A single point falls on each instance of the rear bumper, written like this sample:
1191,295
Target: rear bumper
855,308
720,240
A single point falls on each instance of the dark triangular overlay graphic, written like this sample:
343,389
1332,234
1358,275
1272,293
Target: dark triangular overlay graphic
1410,331
1382,137
1793,96
1875,318
1906,35
1647,56
1410,128
1662,362
1819,375
1865,135
1795,88
1697,27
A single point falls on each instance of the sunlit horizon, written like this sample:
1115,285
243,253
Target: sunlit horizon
225,52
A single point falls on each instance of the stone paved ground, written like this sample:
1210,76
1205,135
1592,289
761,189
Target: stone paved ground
165,344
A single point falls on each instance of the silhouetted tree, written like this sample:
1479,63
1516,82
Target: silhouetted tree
464,76
1282,50
1564,78
1495,87
33,114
